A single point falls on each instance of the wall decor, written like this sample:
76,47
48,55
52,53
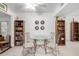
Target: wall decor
42,27
42,22
36,22
36,27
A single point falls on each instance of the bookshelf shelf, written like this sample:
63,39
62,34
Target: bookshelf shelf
19,32
74,30
60,31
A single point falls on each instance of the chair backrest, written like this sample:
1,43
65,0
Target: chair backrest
27,36
27,40
52,35
53,40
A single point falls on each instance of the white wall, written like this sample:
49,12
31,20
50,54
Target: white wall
30,18
12,18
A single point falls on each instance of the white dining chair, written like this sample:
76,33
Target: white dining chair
28,46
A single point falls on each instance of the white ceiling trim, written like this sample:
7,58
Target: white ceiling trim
61,8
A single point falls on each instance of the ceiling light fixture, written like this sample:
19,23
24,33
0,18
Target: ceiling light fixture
32,5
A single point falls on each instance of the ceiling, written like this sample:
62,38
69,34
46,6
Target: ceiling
72,9
58,9
40,8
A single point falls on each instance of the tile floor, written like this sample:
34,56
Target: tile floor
15,51
71,49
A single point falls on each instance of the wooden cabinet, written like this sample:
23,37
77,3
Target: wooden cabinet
19,32
5,44
60,31
74,30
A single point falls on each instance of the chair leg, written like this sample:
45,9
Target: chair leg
35,45
45,46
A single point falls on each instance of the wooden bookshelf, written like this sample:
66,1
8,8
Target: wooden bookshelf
60,31
19,32
74,29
